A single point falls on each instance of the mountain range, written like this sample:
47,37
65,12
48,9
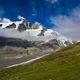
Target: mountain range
25,30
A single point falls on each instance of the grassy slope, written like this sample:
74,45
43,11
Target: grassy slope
63,65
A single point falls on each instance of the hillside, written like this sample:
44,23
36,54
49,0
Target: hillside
15,51
62,65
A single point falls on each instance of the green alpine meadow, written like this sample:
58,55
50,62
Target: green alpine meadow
60,65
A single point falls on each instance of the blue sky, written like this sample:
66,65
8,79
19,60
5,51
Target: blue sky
60,15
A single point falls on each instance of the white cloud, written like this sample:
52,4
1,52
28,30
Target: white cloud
20,17
52,1
68,25
5,20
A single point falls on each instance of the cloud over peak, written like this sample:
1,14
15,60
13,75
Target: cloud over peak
20,17
5,20
68,25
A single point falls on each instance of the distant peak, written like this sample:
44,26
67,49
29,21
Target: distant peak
26,30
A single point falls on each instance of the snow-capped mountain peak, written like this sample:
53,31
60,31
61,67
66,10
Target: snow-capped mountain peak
31,32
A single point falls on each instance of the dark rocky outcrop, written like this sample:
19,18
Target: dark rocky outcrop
15,42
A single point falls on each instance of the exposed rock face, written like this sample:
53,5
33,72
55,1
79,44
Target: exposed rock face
53,44
42,32
15,42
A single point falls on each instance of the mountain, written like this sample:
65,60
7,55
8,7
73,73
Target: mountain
31,32
61,65
14,42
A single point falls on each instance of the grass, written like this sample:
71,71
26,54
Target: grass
62,65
